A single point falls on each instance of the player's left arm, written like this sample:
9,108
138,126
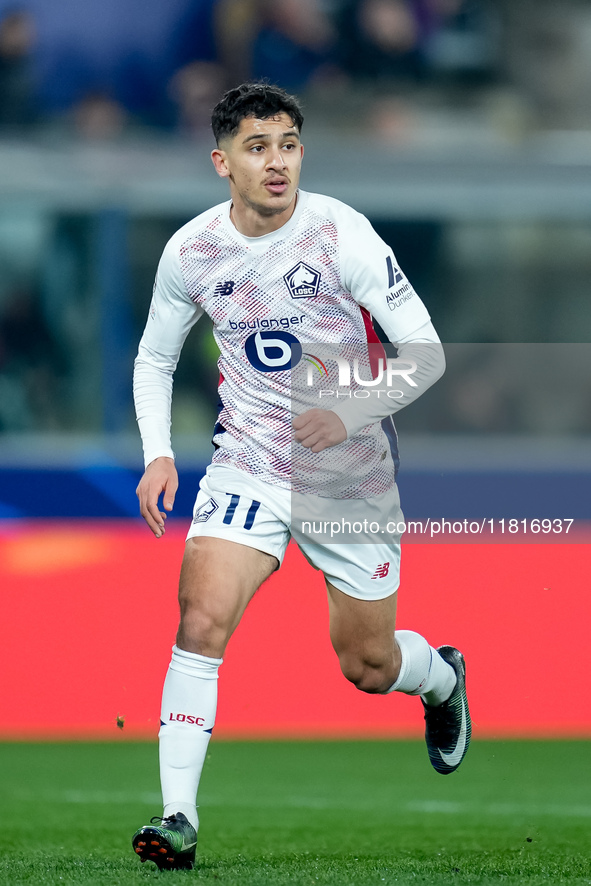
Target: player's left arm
420,363
318,429
369,271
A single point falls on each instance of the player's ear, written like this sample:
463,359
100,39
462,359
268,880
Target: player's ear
219,160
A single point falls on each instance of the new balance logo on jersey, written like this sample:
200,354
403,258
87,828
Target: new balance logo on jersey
382,570
225,288
204,512
302,281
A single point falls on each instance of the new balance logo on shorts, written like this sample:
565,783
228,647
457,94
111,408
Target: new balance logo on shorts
225,288
382,570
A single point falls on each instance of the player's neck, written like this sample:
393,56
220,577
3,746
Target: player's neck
251,223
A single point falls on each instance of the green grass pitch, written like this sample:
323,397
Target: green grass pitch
304,813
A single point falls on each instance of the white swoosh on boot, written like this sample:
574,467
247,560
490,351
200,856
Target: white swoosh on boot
456,755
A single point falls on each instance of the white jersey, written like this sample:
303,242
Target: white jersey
275,300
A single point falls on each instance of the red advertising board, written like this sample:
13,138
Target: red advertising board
89,616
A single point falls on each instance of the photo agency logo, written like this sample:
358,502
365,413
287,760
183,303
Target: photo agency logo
358,378
349,370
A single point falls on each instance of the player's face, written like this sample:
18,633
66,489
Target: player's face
262,163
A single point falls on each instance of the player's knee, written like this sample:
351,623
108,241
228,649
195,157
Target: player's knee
202,630
367,676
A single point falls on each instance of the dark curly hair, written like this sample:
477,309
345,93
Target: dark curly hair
253,99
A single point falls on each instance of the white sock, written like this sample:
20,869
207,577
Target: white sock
422,671
189,701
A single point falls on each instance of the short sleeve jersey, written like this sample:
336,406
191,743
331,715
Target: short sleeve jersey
274,299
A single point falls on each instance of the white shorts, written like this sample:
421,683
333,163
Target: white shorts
235,506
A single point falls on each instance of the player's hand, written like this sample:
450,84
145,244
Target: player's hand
160,477
318,429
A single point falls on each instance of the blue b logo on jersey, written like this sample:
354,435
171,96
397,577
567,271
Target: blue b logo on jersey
273,351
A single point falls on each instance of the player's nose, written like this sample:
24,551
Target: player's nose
276,159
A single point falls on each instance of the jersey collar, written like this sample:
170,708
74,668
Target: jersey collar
263,242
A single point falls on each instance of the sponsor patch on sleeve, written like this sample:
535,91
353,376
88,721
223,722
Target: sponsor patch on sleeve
400,290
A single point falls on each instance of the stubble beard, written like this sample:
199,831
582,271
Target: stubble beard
263,209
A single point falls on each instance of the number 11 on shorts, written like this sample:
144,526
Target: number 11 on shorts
231,510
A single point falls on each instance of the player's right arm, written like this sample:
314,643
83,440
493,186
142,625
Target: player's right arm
171,316
159,478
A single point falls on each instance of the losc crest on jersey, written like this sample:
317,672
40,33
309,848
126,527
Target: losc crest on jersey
302,281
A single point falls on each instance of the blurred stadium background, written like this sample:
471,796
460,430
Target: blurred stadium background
462,129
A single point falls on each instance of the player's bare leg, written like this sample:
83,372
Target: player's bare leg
378,660
362,635
218,580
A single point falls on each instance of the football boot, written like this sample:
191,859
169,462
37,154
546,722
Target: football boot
169,842
448,727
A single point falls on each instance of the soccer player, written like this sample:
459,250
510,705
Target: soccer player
277,269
